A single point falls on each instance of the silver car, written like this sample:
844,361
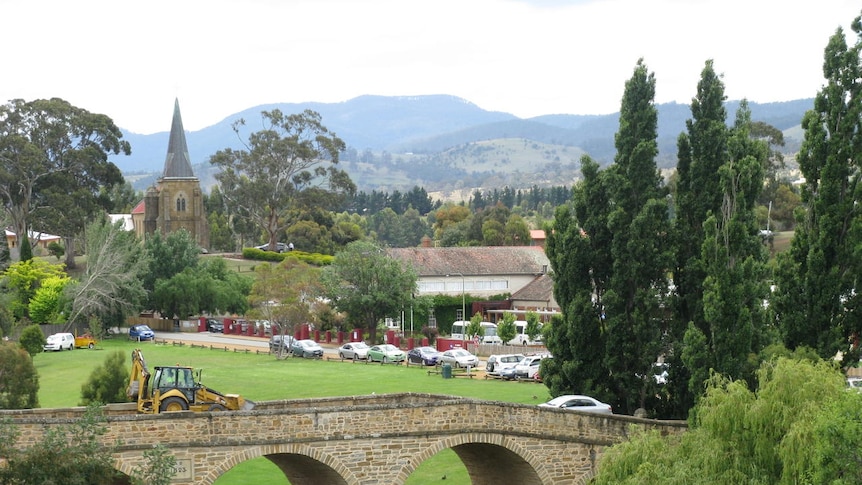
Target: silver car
459,358
353,351
575,402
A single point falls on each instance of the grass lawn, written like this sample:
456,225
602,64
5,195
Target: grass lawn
260,377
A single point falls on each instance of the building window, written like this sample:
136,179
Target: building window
181,204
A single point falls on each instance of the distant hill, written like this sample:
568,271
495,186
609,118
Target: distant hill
444,142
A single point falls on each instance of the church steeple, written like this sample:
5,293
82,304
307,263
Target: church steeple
178,163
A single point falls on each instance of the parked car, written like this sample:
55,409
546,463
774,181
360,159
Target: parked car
59,341
507,373
528,368
266,325
277,342
423,355
385,353
306,348
85,341
579,403
459,358
354,351
497,363
141,332
855,383
280,247
214,325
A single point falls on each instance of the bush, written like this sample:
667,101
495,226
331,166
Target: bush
107,382
431,333
19,381
32,339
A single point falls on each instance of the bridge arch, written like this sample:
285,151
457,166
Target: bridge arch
300,463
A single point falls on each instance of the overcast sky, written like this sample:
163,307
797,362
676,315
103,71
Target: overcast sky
130,59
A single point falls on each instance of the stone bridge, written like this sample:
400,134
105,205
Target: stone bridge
376,439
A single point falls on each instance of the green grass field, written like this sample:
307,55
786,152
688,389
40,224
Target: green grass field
260,377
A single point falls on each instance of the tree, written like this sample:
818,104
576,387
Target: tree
777,434
111,287
107,382
285,293
24,278
368,285
291,162
71,454
733,259
474,328
614,285
32,339
207,288
817,302
533,328
159,467
19,381
53,152
46,306
506,329
169,255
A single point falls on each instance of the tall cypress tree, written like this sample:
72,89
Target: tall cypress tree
611,256
817,300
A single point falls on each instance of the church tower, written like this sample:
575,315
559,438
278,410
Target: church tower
176,200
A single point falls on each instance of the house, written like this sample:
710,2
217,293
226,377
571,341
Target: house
38,239
482,272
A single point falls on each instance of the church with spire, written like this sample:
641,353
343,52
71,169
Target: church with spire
175,201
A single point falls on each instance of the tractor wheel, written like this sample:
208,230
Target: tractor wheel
217,408
173,404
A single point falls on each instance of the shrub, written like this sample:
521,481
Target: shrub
32,339
107,382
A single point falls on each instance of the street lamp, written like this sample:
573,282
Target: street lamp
463,312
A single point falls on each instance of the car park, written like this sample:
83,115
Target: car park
459,358
59,341
306,348
423,355
496,363
214,325
385,353
353,351
141,332
574,402
280,342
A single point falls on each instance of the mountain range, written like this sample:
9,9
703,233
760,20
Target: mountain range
444,143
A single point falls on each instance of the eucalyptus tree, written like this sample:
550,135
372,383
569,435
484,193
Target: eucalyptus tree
611,282
290,163
53,164
817,298
368,285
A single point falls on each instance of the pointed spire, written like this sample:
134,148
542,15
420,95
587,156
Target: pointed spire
178,163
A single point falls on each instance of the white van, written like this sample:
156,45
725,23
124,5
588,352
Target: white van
521,337
490,332
59,341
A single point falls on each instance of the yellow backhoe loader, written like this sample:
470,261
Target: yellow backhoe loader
175,389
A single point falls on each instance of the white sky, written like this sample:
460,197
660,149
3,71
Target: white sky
130,59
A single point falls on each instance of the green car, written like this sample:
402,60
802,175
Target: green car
385,353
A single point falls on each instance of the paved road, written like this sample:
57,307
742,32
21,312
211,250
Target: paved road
218,339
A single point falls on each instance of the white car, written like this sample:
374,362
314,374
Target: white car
459,358
353,350
574,402
528,368
59,341
855,383
498,363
